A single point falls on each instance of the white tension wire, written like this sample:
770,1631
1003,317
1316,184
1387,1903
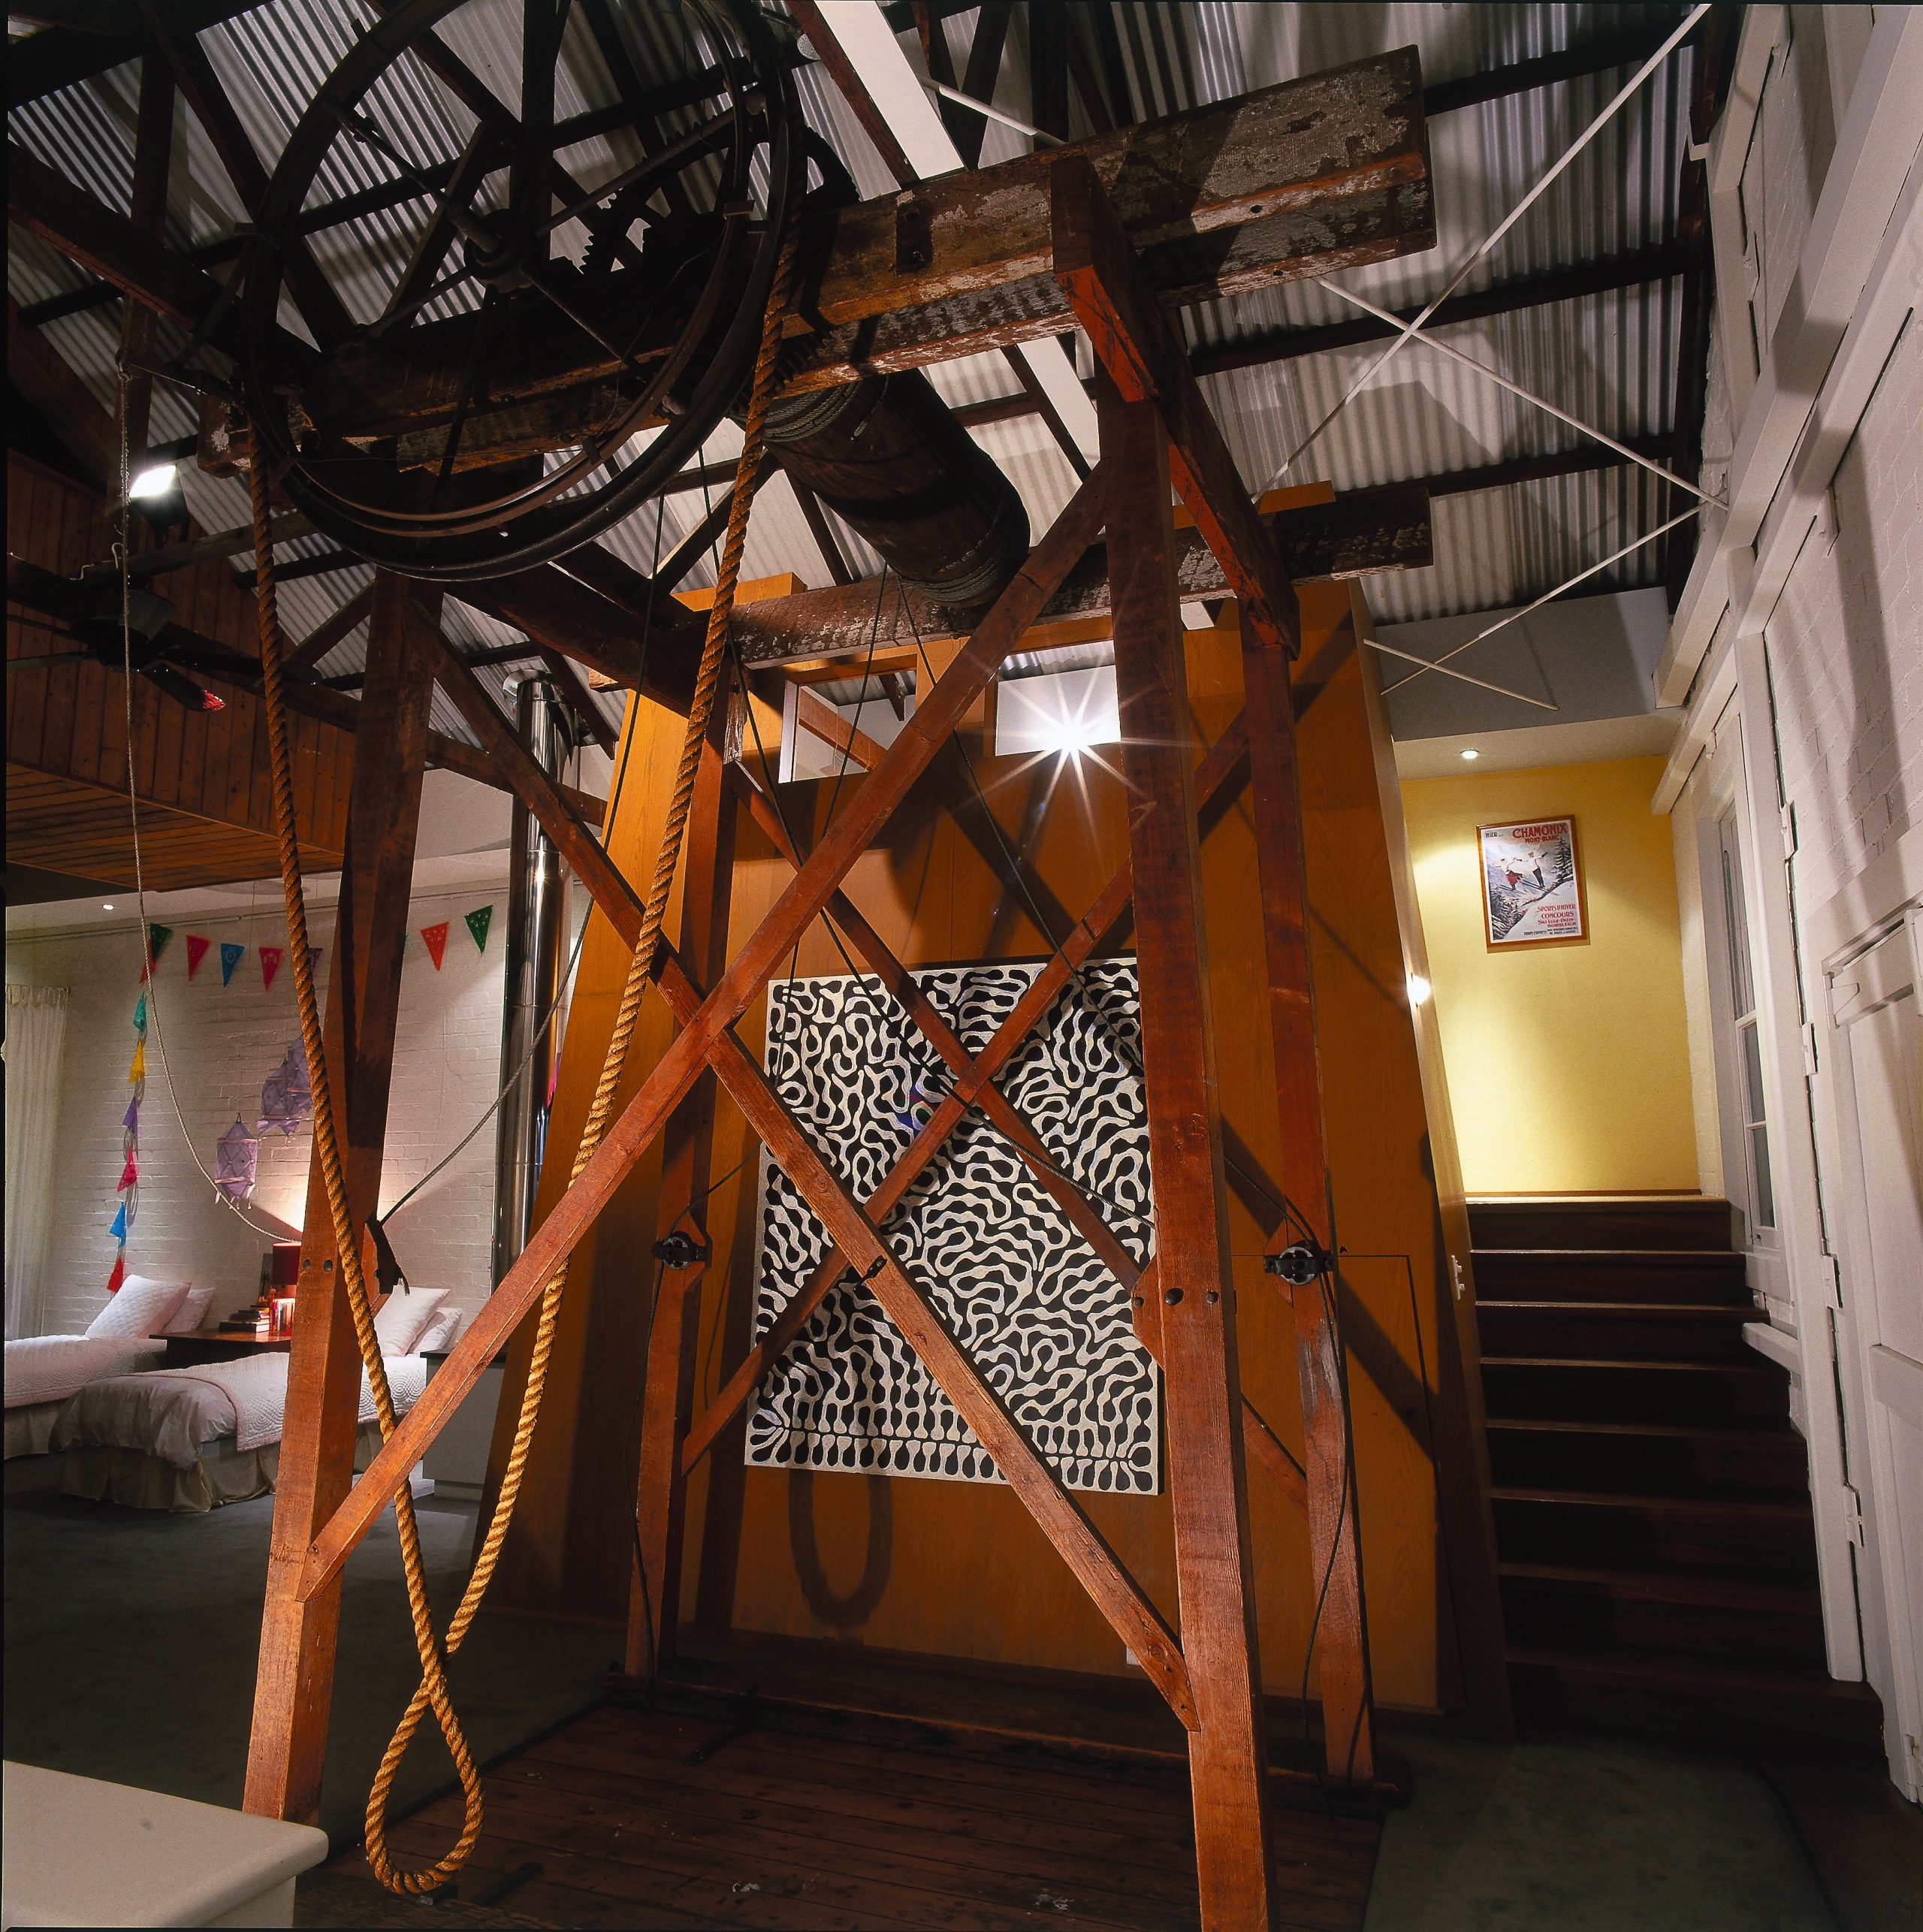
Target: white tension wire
1521,207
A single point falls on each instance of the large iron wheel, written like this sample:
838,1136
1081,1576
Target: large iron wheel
578,297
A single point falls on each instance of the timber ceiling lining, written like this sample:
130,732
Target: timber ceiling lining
1608,356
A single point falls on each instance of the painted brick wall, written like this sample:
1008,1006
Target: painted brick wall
1846,645
221,1044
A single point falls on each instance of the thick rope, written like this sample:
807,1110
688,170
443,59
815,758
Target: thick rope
433,1691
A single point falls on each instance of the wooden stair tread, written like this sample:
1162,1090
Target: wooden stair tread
1759,1371
1626,1257
1639,1311
1672,1586
1705,1509
1683,1672
1687,1431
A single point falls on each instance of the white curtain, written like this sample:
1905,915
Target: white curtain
36,1030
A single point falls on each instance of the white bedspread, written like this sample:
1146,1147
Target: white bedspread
171,1413
50,1368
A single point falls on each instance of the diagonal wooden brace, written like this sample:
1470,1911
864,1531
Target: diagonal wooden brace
635,1130
1080,1544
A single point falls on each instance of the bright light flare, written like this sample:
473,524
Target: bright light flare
154,482
1419,989
1471,754
1066,713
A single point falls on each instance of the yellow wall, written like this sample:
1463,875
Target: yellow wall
1568,1064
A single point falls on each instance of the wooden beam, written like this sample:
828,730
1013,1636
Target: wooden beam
827,724
581,700
1376,530
64,54
1227,1753
635,1128
819,528
1340,1638
654,1595
1096,264
331,631
294,1689
872,122
153,153
1045,408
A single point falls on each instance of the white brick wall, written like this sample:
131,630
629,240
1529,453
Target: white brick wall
221,1043
1845,646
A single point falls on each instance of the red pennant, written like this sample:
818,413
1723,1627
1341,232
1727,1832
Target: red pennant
129,1175
435,937
270,959
197,951
119,1274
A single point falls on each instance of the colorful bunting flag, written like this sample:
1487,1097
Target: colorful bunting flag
119,1274
478,923
230,956
140,1014
270,959
197,951
138,1072
129,1175
157,938
118,1230
435,938
130,1119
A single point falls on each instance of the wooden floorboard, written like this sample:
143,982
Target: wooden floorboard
782,1831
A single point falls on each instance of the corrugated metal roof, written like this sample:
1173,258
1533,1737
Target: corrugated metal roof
1608,357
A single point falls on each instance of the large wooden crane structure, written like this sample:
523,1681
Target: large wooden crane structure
1107,235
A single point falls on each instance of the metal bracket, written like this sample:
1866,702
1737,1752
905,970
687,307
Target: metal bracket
1300,1264
677,1250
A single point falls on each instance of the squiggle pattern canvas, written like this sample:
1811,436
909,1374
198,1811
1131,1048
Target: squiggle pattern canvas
1045,1321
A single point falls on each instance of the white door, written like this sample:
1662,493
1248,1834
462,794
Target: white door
1873,1000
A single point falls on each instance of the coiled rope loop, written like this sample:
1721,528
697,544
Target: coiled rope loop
431,1693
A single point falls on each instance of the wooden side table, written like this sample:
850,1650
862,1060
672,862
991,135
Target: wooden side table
191,1351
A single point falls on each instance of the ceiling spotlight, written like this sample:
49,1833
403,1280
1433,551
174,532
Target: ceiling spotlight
1471,753
154,482
1419,989
106,909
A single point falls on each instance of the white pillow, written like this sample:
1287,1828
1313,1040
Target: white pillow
142,1307
400,1322
187,1318
441,1332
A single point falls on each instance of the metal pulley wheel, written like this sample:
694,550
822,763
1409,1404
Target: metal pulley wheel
575,292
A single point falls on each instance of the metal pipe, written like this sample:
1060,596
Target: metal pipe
536,935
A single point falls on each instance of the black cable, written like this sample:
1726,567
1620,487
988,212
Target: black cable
634,1485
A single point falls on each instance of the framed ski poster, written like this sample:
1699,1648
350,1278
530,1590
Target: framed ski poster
1531,889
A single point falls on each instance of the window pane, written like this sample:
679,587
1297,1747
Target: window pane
1742,998
1752,1074
1759,1157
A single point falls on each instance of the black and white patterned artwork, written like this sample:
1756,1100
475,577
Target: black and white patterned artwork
1043,1319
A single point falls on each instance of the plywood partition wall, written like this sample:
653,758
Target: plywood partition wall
957,1569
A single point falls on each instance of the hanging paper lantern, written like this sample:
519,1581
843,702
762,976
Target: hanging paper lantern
478,921
435,938
235,1155
197,951
270,959
285,1094
230,956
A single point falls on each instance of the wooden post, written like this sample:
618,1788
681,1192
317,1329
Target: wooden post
1227,1755
295,1685
655,1593
1340,1634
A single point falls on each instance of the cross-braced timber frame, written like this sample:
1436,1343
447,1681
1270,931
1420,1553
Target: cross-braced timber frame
1156,429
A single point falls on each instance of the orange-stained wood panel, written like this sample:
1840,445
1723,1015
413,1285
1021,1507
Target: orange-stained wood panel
205,817
961,1569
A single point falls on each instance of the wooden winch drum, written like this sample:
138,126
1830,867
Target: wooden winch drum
888,456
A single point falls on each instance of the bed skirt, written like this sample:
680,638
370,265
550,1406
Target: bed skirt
30,1428
137,1480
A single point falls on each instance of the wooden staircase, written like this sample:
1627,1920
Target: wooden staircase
1658,1553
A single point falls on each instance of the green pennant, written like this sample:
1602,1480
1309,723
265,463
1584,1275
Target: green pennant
478,923
140,1014
157,938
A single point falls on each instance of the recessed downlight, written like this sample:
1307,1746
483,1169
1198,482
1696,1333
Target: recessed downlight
1471,753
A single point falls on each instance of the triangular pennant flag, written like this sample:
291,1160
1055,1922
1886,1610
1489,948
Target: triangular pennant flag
230,956
129,1174
119,1274
435,938
197,951
130,1119
314,953
138,1072
270,959
118,1230
478,923
157,938
140,1014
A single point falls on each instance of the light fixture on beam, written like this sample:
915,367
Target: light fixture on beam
155,481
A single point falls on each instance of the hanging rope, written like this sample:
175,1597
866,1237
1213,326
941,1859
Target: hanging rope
431,1693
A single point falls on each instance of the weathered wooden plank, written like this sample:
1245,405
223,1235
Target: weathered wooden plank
1352,537
1227,1753
294,1688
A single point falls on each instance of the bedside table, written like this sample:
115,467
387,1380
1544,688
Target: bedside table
191,1351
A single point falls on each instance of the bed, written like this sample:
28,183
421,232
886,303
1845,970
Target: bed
191,1439
128,1336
